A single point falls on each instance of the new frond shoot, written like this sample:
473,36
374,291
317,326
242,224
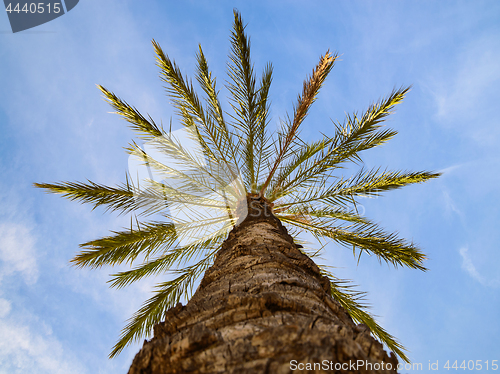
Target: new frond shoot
196,180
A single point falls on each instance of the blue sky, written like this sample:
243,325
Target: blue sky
55,126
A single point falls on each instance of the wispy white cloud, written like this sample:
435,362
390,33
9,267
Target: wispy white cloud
469,267
26,349
451,207
5,307
463,90
17,252
451,169
469,84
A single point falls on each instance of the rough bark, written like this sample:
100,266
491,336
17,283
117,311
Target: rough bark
260,306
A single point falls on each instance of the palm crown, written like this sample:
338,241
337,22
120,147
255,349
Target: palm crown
198,181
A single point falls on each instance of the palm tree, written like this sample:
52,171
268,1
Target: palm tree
230,200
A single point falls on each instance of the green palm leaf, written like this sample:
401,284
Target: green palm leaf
310,90
168,294
311,161
126,246
147,128
246,103
362,184
124,199
365,236
352,302
164,263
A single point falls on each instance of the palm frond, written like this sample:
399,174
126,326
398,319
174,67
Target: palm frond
367,237
309,211
299,159
125,246
363,184
352,302
210,128
178,198
263,147
147,127
310,162
185,99
177,255
215,125
372,183
124,199
168,294
309,92
186,177
386,246
244,98
359,134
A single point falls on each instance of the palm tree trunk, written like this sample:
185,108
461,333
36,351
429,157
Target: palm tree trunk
263,307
